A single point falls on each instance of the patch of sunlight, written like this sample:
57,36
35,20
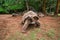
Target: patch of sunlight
58,14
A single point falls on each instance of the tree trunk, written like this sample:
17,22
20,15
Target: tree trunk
56,12
44,7
27,5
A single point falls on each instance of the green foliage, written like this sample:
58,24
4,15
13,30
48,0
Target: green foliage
7,5
37,4
51,5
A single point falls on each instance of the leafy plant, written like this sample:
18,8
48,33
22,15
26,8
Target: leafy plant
7,5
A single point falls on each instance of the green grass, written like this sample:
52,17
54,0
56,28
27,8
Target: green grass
42,38
51,34
58,38
18,35
32,35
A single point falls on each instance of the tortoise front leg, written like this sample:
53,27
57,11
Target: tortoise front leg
26,24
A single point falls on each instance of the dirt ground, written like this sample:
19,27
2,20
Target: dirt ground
10,29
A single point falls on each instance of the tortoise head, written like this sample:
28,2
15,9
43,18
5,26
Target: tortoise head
36,17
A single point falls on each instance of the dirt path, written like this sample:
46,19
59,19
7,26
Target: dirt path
12,25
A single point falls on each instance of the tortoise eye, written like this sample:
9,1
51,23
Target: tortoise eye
36,18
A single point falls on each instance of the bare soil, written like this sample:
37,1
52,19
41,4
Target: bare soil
10,25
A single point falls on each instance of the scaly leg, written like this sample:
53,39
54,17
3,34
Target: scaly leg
26,24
